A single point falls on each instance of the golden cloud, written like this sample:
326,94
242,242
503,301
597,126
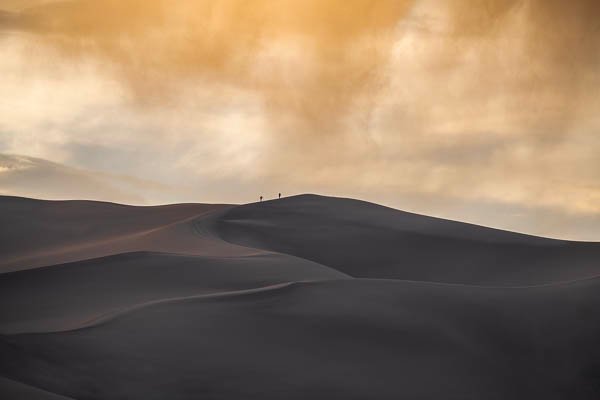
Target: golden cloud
487,99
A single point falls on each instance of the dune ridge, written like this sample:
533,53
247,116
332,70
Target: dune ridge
303,297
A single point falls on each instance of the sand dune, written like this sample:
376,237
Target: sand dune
90,288
16,390
304,297
51,232
367,240
34,177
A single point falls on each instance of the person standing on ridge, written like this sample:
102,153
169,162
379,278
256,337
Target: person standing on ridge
279,195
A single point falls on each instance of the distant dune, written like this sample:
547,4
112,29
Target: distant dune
36,177
307,297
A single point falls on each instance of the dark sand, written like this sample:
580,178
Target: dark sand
307,297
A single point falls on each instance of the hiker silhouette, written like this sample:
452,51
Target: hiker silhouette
279,195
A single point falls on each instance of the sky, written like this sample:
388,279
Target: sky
485,111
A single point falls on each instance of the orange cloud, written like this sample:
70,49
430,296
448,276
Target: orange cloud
484,100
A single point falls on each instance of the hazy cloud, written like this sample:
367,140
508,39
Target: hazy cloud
38,178
480,102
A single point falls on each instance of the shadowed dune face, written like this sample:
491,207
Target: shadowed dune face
89,289
304,297
16,390
353,339
370,241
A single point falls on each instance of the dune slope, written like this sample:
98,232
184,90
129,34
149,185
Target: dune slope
370,241
304,297
63,296
351,339
41,233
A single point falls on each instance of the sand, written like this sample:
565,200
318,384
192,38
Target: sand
307,297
